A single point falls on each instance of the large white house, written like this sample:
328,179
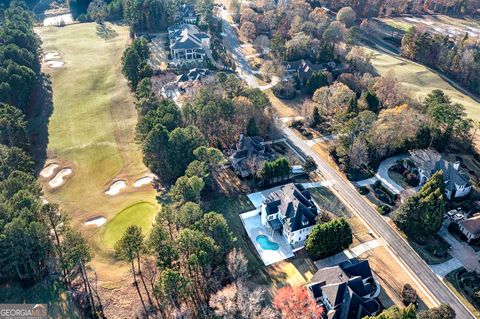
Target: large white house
428,162
290,211
187,43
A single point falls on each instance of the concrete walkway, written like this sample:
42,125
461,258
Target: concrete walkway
349,253
461,251
383,176
441,270
368,181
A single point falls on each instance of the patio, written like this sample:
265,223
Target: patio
253,225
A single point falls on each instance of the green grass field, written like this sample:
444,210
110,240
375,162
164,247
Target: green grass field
141,214
420,81
92,130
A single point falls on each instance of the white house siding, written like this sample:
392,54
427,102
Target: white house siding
462,190
296,236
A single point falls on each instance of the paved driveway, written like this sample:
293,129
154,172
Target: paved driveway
382,173
461,251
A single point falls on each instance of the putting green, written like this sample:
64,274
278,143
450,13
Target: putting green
141,214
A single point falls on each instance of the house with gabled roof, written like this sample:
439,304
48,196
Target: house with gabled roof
187,43
249,155
346,291
428,162
470,227
291,211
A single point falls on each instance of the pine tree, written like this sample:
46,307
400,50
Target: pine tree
422,213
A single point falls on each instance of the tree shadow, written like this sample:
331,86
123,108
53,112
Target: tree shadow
105,31
38,116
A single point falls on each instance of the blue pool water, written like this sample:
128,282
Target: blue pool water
266,244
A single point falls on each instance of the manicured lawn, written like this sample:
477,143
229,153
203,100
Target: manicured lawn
326,200
91,130
93,121
420,81
141,214
434,251
454,282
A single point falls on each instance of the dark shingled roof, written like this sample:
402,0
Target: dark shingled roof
430,162
344,288
294,205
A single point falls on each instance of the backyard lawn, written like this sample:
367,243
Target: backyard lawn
91,131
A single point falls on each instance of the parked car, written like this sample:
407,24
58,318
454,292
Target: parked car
457,217
451,213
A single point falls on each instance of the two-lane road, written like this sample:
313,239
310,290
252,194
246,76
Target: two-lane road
434,287
349,195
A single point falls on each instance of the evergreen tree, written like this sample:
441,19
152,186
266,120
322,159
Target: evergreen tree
329,238
422,214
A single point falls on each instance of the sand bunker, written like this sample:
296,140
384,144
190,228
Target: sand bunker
97,221
48,170
59,20
53,55
115,188
58,179
54,64
143,181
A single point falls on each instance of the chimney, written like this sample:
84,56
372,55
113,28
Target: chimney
456,165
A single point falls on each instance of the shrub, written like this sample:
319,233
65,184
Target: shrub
329,238
384,209
363,190
409,295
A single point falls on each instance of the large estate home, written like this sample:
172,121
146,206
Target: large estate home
346,291
429,162
248,156
187,43
290,211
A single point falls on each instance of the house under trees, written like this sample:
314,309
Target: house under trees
428,162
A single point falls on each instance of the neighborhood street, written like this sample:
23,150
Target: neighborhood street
349,195
233,45
351,198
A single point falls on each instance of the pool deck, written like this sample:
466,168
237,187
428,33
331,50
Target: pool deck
253,225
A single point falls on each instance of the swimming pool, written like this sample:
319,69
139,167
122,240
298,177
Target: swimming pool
265,243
